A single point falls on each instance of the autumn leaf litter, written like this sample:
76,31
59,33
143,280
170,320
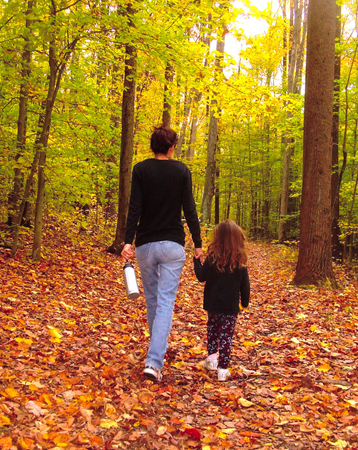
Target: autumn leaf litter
73,347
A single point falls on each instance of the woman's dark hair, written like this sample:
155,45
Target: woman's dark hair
162,139
228,247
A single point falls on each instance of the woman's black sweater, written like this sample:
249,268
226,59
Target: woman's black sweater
223,290
161,189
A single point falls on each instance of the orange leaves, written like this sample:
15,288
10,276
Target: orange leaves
5,443
10,393
87,389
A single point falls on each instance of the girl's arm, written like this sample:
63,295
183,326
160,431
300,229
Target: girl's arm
245,288
200,269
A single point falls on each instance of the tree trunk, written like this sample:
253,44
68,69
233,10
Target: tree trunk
22,117
217,194
209,186
296,53
187,101
57,69
167,106
194,124
336,245
127,145
314,264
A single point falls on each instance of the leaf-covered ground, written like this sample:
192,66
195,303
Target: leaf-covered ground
73,347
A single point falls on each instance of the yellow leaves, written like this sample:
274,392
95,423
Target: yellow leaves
297,418
324,368
4,421
24,341
282,399
178,364
295,340
45,398
56,336
229,430
62,440
25,443
108,423
251,344
245,403
197,350
110,410
10,393
340,444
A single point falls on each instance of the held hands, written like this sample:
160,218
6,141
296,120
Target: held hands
127,252
198,253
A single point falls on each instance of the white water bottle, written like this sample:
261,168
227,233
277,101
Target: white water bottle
130,281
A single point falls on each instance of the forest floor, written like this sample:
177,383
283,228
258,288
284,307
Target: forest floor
72,349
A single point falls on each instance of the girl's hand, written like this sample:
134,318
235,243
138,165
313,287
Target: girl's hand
127,252
198,253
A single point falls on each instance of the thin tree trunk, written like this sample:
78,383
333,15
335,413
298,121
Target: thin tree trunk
194,124
22,117
127,144
57,69
212,144
217,194
187,101
167,106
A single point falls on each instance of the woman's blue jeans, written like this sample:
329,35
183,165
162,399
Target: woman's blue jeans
160,265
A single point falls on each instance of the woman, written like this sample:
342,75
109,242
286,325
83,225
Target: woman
161,189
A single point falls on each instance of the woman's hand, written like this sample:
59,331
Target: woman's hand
127,252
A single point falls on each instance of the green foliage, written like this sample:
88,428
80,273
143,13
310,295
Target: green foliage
85,135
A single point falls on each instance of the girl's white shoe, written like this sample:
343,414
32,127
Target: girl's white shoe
211,362
223,374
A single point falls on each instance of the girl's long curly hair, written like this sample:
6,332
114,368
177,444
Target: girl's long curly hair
228,247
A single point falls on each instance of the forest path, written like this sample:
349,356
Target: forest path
73,347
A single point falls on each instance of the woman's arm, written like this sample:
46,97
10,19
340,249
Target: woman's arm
135,208
189,209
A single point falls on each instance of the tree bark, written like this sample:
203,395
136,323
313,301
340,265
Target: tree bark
209,186
167,106
127,145
314,264
179,147
22,117
57,66
194,124
336,245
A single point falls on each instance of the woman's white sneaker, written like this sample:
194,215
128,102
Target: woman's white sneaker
152,373
223,374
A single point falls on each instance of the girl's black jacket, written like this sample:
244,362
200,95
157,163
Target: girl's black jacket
223,290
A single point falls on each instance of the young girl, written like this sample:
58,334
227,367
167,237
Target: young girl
227,282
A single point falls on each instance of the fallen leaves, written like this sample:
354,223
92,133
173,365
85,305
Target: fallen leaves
74,347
